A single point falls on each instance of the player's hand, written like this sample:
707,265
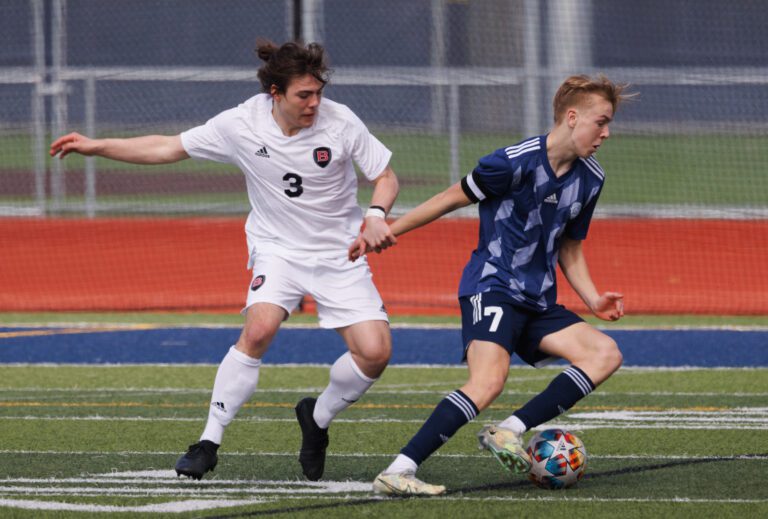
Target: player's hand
377,234
357,249
73,142
609,306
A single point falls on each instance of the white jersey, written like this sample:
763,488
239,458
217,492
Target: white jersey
303,188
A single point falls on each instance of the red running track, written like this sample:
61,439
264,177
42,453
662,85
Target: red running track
661,266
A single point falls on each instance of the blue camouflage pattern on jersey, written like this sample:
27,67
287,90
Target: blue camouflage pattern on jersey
525,210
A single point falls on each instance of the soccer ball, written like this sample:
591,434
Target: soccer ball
558,459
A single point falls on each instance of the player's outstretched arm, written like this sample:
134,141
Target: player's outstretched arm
608,306
442,203
149,149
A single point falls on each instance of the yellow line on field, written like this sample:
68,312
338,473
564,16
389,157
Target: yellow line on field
281,405
66,331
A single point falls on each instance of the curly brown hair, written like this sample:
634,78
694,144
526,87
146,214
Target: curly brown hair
289,61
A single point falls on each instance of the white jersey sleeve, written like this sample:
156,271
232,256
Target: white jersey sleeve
209,141
370,155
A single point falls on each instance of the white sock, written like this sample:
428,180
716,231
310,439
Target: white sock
347,384
402,464
514,423
236,380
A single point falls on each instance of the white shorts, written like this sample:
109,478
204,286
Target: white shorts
343,290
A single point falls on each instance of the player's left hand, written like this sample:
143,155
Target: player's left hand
375,236
609,306
357,249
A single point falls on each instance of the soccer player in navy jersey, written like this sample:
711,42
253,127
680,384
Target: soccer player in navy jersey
536,200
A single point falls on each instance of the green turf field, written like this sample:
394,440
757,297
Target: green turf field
661,443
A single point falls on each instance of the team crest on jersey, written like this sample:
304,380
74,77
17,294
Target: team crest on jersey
322,156
257,282
575,210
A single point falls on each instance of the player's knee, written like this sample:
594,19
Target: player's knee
255,339
373,348
495,388
484,392
376,355
608,354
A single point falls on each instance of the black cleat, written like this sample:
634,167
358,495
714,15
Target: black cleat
199,459
314,441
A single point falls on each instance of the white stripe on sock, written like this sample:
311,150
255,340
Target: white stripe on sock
460,402
579,380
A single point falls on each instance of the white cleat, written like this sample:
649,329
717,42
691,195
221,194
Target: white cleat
404,484
506,446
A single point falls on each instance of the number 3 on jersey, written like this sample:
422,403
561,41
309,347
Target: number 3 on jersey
496,312
294,184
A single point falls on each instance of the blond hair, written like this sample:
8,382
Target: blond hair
575,88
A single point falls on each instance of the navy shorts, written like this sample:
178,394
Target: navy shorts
492,316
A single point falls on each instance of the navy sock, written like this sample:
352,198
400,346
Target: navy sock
449,416
563,392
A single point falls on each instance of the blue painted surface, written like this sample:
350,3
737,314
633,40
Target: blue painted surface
705,348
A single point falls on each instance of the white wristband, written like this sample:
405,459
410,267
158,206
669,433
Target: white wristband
375,211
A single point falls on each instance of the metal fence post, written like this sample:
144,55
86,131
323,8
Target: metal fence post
454,130
59,105
89,93
532,121
437,62
38,106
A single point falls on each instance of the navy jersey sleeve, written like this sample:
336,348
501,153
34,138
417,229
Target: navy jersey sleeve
490,178
578,227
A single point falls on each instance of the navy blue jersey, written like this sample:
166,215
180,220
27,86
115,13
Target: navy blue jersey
524,212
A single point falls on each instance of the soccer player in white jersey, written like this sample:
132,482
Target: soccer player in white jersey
297,151
536,200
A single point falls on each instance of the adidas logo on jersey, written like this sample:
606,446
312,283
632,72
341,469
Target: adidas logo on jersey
551,199
262,152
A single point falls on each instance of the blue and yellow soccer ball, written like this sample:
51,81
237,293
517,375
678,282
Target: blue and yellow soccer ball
558,459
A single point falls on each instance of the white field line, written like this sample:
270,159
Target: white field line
568,499
735,413
624,370
438,454
142,491
215,495
383,389
195,505
576,426
606,499
140,484
738,412
169,477
287,490
740,418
